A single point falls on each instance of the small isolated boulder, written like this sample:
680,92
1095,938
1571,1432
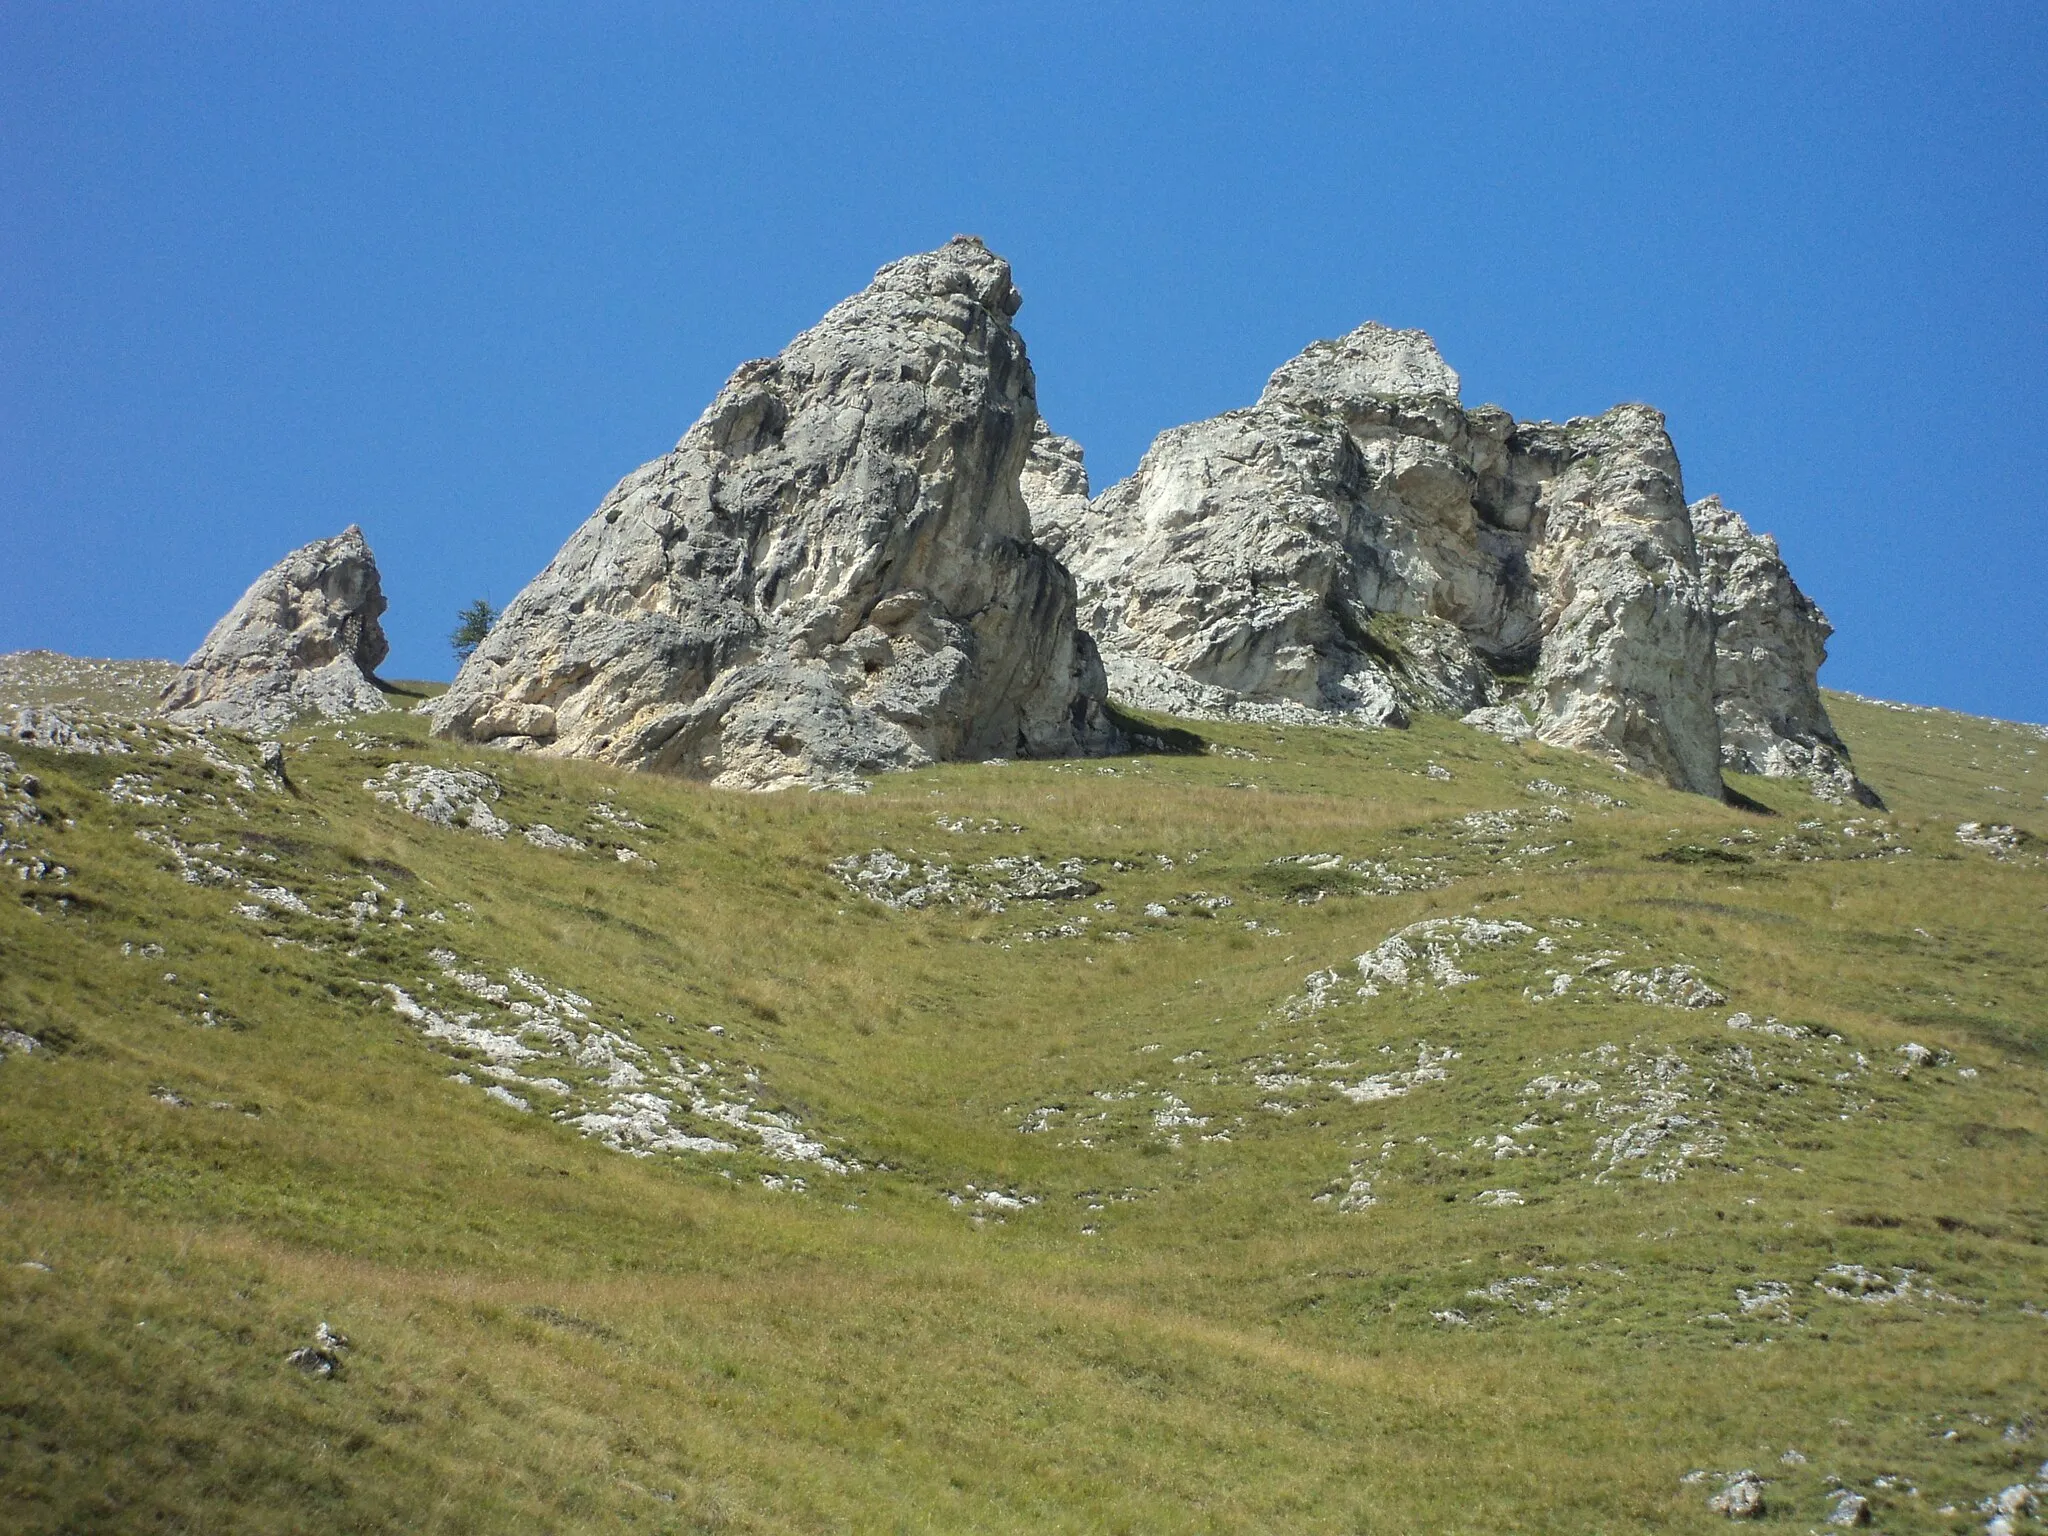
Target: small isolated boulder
323,1356
304,640
832,575
1849,1508
1741,1498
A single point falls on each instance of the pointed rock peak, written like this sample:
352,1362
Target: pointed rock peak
831,576
1374,362
963,266
1713,519
303,640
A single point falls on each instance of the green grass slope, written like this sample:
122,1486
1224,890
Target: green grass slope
1019,1147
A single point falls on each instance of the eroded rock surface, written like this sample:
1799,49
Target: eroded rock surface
832,575
1358,545
304,640
1769,641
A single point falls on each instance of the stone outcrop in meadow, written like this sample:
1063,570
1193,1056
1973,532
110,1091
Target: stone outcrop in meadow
831,575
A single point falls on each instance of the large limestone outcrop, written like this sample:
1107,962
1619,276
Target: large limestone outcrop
304,640
1358,544
832,574
1769,641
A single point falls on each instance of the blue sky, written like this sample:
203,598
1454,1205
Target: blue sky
450,271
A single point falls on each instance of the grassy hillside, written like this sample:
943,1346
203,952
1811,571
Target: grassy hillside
1019,1147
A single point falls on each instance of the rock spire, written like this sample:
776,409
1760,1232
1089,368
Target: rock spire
304,640
831,575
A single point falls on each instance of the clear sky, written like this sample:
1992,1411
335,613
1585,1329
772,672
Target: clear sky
450,271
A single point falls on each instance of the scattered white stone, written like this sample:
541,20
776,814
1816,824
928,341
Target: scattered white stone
447,797
1999,840
541,835
1769,1298
1853,1282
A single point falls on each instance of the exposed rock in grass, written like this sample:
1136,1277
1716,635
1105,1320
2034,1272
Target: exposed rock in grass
1740,1498
1999,840
1848,1508
832,575
989,886
447,797
303,640
323,1357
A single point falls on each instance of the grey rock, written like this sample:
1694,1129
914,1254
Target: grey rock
304,640
1741,1498
1849,1508
43,727
323,1357
1770,639
833,573
1358,545
1627,661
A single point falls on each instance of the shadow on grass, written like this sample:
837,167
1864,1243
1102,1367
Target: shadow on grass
1152,738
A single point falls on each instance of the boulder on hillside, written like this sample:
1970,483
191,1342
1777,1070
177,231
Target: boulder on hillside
831,575
1770,639
304,640
1359,545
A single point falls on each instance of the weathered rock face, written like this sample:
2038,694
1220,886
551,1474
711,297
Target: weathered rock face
832,574
1769,641
1626,662
304,640
1358,545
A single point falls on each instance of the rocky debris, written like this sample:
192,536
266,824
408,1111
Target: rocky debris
1740,1498
1359,545
1530,1295
607,1084
831,575
13,1040
1431,1066
1853,1282
55,732
304,640
447,797
989,886
1998,840
323,1357
1432,956
1770,639
75,685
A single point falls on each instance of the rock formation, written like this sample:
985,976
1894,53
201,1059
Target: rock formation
831,575
304,640
1769,641
1358,545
